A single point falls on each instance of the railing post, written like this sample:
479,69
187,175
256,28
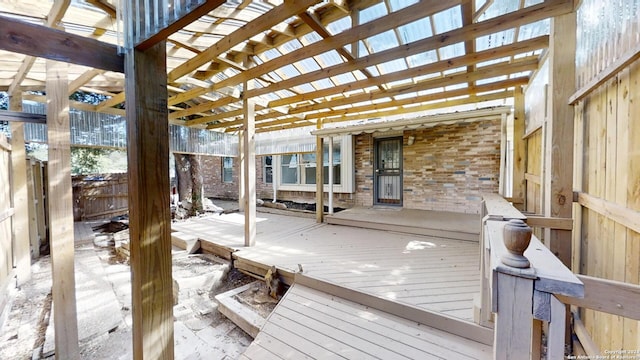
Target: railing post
513,287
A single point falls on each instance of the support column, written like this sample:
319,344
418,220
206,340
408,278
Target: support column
330,196
558,174
319,179
61,212
519,191
249,167
149,214
21,239
241,194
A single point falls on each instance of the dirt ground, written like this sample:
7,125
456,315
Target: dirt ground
200,331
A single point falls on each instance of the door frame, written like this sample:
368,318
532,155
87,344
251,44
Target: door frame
376,172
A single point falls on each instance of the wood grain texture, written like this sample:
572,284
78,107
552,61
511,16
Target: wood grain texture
514,321
61,212
558,174
249,166
21,241
41,41
149,216
519,147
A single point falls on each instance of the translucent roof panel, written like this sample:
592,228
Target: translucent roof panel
538,28
289,71
382,41
401,4
304,88
270,54
343,78
323,84
452,51
448,20
423,58
339,26
491,80
373,12
310,38
307,65
362,49
495,40
329,58
392,66
500,7
290,46
415,31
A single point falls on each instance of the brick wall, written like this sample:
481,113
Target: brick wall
212,178
445,169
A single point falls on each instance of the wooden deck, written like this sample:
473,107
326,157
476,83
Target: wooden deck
382,294
432,273
310,324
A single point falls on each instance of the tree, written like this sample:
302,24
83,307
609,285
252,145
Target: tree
86,160
189,176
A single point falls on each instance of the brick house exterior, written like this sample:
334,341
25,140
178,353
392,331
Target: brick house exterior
445,169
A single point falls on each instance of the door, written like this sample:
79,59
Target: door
388,171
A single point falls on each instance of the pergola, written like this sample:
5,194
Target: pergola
247,67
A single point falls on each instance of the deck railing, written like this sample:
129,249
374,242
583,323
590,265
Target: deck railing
521,287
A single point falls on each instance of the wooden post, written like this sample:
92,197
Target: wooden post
514,281
241,177
149,215
21,240
319,179
33,213
249,166
519,150
558,174
61,212
330,195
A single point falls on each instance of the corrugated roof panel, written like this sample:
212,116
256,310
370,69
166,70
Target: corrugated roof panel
491,80
382,41
430,91
329,58
423,58
528,3
290,46
495,40
500,7
405,96
520,74
275,76
310,38
403,82
538,28
492,62
392,66
362,49
307,65
452,51
343,78
373,12
322,84
454,71
304,88
373,71
289,71
455,87
447,20
415,31
339,25
359,75
401,4
269,54
427,77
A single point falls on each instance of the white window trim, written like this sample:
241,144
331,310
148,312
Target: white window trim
347,171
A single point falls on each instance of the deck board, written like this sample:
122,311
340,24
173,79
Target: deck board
410,268
311,323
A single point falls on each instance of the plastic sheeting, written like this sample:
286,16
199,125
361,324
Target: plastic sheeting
605,31
110,131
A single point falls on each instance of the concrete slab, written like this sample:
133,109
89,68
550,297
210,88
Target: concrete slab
97,306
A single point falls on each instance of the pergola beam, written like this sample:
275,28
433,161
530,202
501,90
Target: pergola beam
41,41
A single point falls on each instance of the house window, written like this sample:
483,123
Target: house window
268,169
300,169
227,169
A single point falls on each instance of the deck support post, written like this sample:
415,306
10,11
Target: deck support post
330,196
514,320
558,173
61,212
21,239
319,179
248,165
149,198
518,191
241,176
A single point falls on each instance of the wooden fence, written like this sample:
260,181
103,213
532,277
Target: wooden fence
99,196
6,216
